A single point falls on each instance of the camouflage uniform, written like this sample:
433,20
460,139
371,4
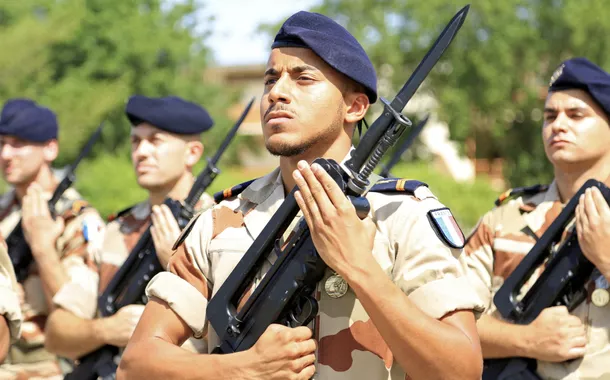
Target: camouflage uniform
77,248
121,236
9,301
497,245
350,346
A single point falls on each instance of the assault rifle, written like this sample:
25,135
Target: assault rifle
285,294
128,285
385,168
562,283
18,248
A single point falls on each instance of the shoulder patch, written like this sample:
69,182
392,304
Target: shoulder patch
78,206
446,227
232,191
397,185
518,191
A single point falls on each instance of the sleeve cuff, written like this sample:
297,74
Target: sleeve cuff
75,299
439,297
183,298
10,308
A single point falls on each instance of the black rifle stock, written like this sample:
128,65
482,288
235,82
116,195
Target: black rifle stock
18,248
285,294
386,168
128,285
562,282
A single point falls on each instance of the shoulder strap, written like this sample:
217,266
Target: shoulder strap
518,191
232,191
397,185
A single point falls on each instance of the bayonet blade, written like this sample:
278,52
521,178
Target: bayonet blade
232,133
87,147
430,59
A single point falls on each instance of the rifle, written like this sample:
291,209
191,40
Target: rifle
128,285
285,294
385,168
18,248
562,283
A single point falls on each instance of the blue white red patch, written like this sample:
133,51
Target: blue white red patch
446,227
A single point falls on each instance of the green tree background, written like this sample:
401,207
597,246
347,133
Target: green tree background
84,58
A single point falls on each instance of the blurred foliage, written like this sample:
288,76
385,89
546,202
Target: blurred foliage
84,58
491,82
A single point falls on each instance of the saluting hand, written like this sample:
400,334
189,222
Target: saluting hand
39,228
343,240
593,229
164,231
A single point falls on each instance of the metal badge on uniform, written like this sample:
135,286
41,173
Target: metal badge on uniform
446,227
600,296
335,286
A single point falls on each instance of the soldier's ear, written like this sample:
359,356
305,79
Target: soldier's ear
193,153
50,150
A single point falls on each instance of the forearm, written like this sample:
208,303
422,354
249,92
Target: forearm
71,336
5,338
501,339
51,271
156,359
404,327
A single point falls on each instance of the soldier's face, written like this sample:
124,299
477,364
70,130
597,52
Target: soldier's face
21,159
159,158
575,131
302,103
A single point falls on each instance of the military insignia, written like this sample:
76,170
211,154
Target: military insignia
78,205
446,227
600,297
335,286
556,74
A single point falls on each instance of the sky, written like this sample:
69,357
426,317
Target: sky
234,39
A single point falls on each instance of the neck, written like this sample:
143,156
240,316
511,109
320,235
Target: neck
44,178
336,151
178,190
569,181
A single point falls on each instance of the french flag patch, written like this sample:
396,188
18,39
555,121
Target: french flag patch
447,228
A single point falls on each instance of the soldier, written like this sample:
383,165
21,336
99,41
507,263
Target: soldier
165,146
395,280
10,307
63,249
576,137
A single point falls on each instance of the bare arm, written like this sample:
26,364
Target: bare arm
404,327
71,336
5,339
554,336
154,353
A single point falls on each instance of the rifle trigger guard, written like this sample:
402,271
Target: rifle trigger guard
401,120
313,311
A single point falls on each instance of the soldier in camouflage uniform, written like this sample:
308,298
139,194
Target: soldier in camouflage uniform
63,249
576,136
166,144
395,281
10,307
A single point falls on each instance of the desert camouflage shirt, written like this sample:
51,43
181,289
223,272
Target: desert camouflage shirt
121,236
350,346
10,307
495,248
77,246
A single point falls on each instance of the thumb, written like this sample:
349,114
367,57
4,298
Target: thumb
60,223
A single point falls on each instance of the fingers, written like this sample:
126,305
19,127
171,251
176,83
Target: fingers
329,185
576,352
303,362
307,373
300,333
590,208
172,224
307,203
600,204
165,223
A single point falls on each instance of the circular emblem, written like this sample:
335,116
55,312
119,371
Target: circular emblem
600,297
335,286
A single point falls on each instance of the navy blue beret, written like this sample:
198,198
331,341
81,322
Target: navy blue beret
331,42
580,73
27,120
171,114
